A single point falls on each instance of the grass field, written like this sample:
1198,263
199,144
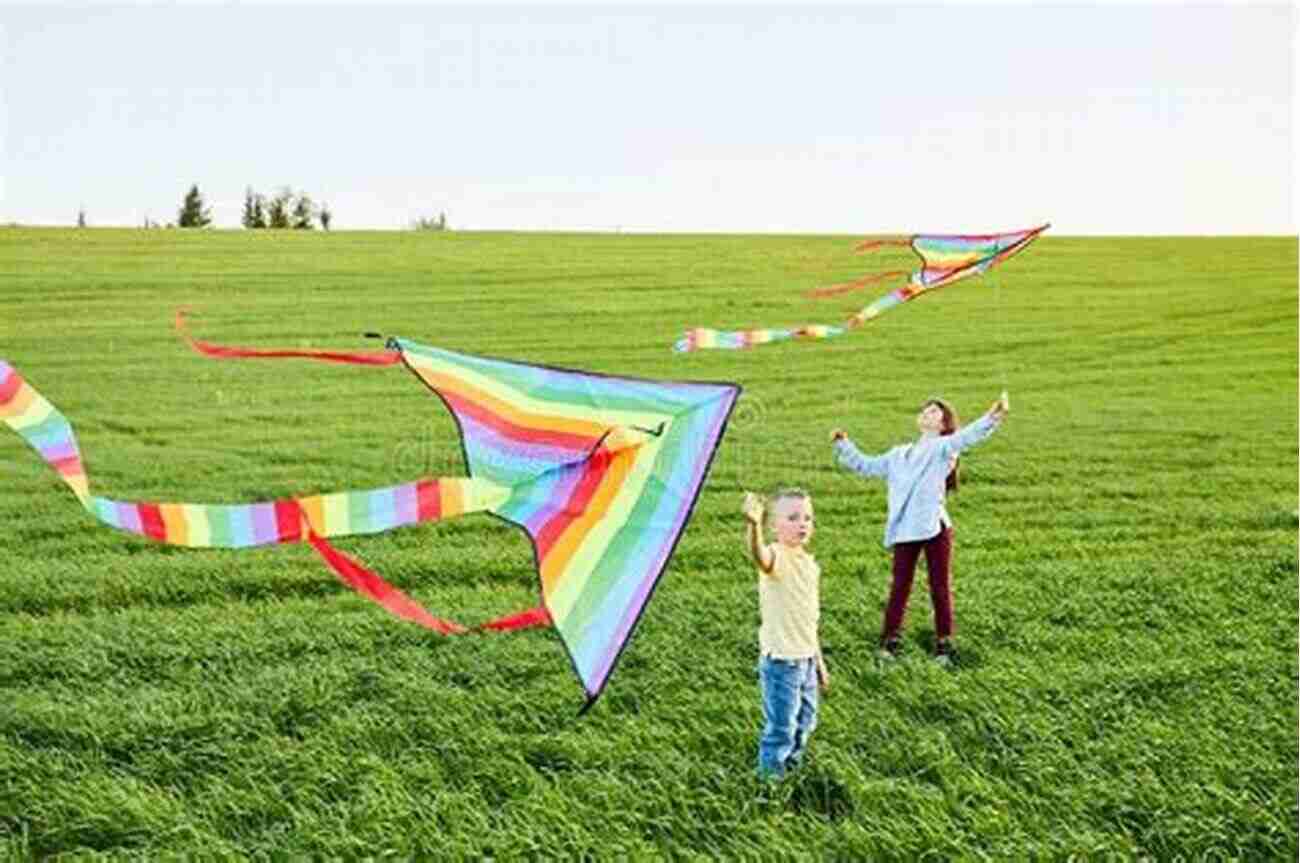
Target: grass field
1125,564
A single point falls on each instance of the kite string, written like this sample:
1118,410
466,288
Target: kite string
1002,330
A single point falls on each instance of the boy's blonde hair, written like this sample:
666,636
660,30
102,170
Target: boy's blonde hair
784,493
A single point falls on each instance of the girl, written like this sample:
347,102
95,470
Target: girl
918,475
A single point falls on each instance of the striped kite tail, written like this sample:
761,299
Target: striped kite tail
729,340
702,339
45,429
289,520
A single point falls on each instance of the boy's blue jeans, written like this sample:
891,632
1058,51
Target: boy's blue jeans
789,712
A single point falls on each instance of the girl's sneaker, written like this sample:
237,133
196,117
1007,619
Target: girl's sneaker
889,649
944,653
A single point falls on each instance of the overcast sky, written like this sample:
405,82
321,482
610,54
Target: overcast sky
838,119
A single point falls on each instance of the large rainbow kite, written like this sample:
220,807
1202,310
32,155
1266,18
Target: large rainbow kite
602,473
945,258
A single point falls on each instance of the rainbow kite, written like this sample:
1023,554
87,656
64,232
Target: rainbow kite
944,259
601,472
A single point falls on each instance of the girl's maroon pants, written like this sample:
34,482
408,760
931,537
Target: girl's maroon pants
938,554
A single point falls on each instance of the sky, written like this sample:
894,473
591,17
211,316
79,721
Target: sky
1102,120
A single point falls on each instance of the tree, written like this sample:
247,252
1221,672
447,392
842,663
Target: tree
325,215
193,214
81,218
302,213
428,224
254,210
277,209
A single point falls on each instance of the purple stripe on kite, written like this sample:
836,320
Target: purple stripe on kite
62,449
406,503
265,529
128,517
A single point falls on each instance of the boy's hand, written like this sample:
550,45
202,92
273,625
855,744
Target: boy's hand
752,507
823,675
838,435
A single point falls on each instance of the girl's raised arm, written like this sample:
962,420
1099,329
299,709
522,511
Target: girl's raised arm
851,457
971,434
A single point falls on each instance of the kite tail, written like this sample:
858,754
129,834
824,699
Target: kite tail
868,245
45,430
289,520
705,339
370,585
366,358
855,285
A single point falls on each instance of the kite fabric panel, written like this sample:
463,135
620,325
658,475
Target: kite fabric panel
602,472
945,259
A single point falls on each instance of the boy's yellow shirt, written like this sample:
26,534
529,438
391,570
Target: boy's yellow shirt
789,604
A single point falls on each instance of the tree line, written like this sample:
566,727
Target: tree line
286,209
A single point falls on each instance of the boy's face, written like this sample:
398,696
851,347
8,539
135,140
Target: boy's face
792,519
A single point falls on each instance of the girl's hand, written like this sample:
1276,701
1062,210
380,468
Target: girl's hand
752,507
1000,407
838,435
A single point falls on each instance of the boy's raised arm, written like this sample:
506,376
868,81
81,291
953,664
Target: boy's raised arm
752,507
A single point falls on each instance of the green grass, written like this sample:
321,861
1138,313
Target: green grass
1125,564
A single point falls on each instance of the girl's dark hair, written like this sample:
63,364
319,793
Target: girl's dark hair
950,424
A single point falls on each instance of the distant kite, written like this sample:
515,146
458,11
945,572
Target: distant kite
601,472
944,259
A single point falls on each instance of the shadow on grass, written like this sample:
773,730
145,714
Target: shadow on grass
816,792
969,655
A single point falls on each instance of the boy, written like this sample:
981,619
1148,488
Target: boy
790,665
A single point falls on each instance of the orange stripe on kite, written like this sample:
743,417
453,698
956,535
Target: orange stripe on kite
175,525
575,532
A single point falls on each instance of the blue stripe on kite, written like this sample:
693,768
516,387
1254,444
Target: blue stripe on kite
240,521
383,509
